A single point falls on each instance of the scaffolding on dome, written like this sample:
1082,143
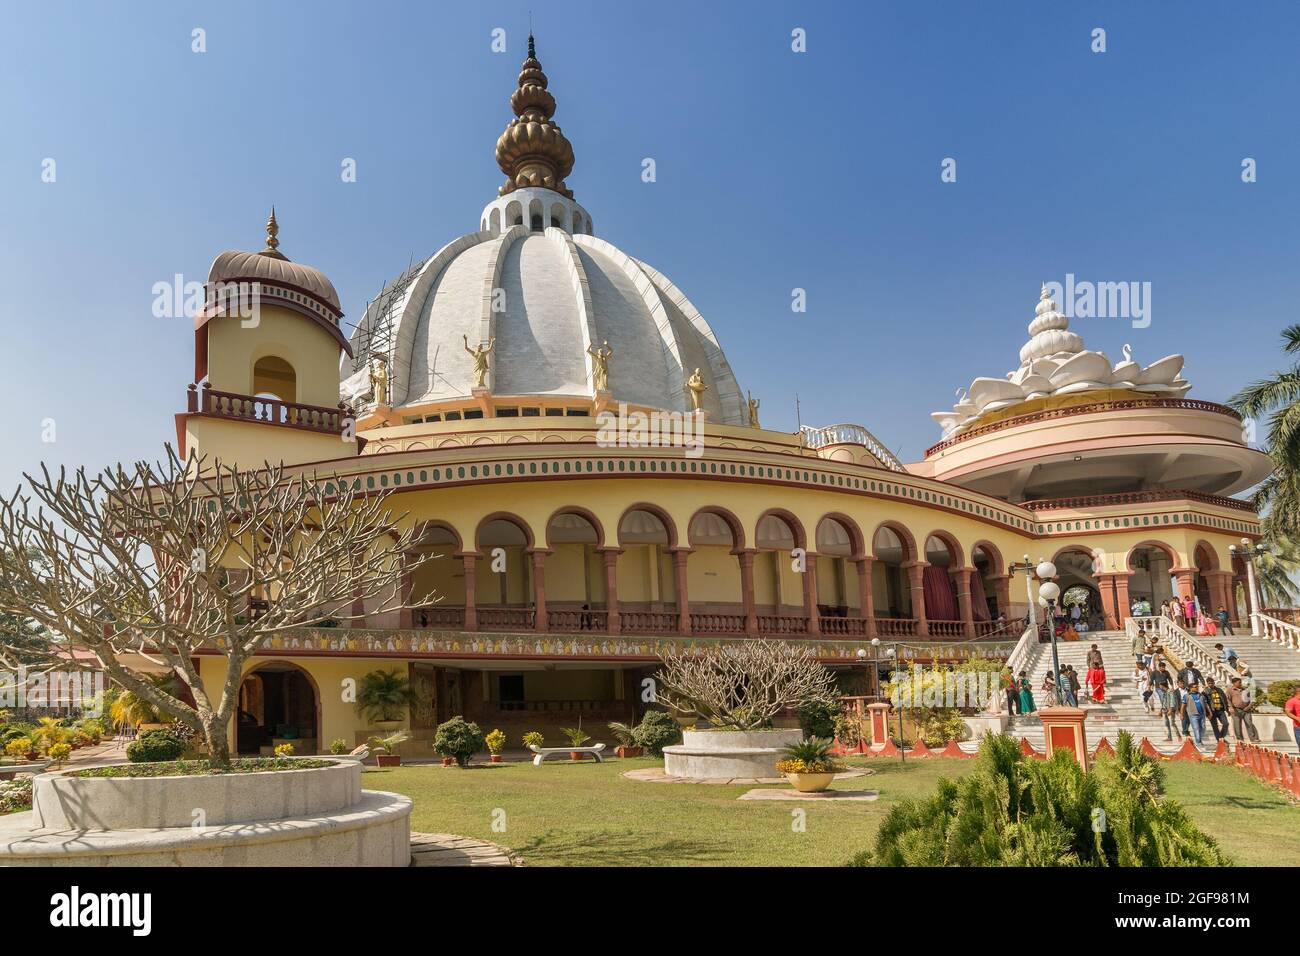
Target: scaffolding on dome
375,330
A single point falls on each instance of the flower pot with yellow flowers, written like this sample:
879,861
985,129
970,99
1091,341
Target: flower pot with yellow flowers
808,765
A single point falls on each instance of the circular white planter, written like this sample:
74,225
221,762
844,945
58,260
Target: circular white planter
723,754
311,817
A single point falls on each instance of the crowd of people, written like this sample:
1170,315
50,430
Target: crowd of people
1188,614
1191,704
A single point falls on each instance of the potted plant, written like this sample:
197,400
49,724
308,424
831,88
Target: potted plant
383,697
625,734
284,750
59,753
338,747
384,748
533,739
577,737
496,742
458,739
808,765
21,747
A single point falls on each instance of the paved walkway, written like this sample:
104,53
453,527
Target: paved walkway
446,849
657,775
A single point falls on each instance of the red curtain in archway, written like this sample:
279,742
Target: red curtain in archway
978,599
940,599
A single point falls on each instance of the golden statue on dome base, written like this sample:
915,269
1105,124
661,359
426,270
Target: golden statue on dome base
379,380
752,406
695,384
480,356
600,365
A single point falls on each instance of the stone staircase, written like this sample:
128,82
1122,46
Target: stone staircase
1123,709
1268,660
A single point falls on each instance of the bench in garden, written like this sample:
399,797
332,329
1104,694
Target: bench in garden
544,752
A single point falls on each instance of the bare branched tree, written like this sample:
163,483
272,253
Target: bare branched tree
745,685
160,562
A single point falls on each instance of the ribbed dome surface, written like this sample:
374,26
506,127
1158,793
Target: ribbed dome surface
233,264
555,294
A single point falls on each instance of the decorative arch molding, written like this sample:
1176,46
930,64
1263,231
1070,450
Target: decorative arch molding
737,529
279,663
1210,552
439,524
514,519
954,547
856,541
664,517
904,535
1151,543
581,512
998,564
790,521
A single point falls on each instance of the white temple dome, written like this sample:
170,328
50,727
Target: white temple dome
536,285
545,297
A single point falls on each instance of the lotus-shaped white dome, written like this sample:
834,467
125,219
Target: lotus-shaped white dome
1054,362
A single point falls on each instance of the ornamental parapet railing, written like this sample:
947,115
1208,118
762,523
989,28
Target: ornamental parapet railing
388,642
1135,498
1279,631
847,434
1184,645
269,411
1049,414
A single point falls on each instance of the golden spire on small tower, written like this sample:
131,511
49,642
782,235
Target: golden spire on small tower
532,151
272,243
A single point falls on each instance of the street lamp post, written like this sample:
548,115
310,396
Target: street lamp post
1248,553
893,652
1049,591
1028,567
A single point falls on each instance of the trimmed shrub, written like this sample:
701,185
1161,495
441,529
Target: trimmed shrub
1018,811
155,745
656,731
1280,691
458,738
817,719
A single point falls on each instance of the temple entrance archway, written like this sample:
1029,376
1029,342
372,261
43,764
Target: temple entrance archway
1076,576
1151,566
278,703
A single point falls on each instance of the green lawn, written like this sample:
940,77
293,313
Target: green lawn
567,814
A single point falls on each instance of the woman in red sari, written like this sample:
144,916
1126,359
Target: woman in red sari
1095,679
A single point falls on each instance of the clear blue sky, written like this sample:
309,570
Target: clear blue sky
776,170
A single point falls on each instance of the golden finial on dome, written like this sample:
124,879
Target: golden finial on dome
532,151
272,243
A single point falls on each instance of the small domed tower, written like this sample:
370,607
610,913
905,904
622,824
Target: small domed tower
267,347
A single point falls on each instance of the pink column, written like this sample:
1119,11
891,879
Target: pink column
471,611
611,589
1002,590
915,572
1122,598
746,558
810,594
961,582
866,594
540,622
683,598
